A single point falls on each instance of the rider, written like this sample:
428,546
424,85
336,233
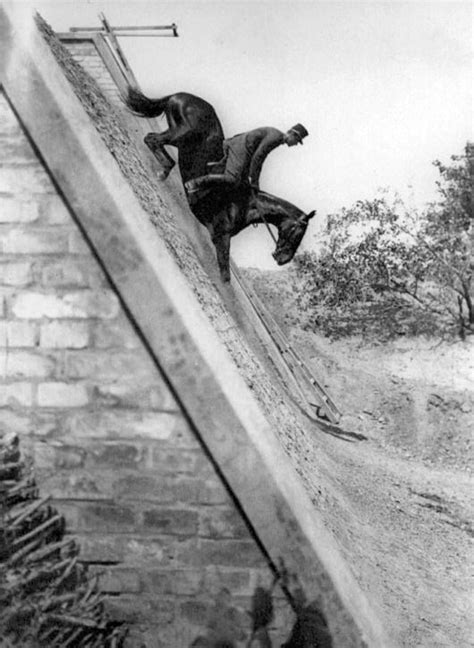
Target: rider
244,155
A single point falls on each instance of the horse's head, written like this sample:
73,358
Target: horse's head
290,235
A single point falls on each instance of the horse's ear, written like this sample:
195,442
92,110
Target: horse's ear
310,215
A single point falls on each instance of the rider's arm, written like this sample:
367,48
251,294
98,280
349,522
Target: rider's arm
268,139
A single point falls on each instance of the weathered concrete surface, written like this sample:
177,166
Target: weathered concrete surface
177,323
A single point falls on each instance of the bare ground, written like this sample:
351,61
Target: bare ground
393,483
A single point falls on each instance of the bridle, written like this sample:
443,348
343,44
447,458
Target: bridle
265,222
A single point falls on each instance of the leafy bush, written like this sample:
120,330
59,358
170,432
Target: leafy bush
385,271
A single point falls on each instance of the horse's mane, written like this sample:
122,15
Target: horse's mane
270,201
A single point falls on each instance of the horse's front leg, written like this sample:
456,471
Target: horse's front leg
222,245
155,142
225,225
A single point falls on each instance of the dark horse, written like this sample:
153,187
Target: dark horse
195,129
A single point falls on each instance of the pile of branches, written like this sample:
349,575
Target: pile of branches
46,595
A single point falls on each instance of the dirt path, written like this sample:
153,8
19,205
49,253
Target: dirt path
405,531
395,490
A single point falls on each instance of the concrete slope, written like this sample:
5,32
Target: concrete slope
178,310
95,53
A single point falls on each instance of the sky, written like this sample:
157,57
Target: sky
383,87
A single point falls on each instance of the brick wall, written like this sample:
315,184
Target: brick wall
85,53
108,440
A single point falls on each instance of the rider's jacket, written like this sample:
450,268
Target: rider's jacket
245,153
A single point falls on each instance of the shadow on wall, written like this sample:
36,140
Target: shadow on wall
224,628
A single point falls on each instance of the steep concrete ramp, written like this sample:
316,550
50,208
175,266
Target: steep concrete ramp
102,56
178,310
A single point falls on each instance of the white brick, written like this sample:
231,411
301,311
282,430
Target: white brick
81,304
21,364
14,394
44,241
149,395
64,335
58,394
32,305
105,365
16,211
17,333
126,424
15,274
25,181
67,272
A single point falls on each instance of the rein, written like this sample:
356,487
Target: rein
264,220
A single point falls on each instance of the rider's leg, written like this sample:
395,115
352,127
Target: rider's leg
231,178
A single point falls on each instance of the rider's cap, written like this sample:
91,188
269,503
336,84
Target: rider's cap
300,131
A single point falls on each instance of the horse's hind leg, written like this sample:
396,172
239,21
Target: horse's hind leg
155,142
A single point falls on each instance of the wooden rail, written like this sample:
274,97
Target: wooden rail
309,387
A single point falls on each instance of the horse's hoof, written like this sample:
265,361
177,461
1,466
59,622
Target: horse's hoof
225,278
162,175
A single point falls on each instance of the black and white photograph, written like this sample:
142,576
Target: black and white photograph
236,324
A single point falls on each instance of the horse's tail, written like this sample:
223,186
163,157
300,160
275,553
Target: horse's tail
144,106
